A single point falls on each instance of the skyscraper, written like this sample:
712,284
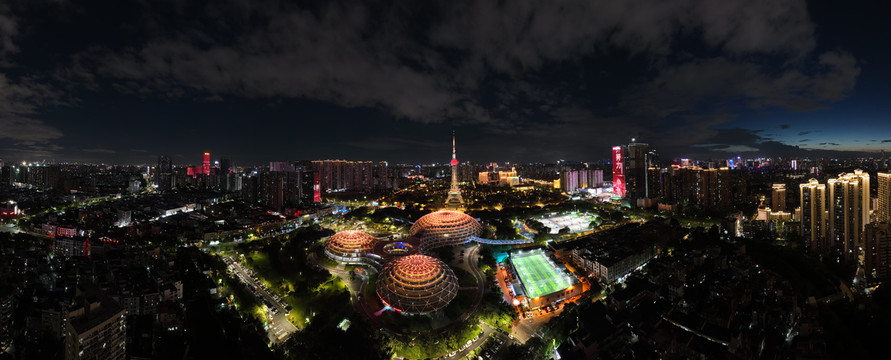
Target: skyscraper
225,166
454,200
164,173
205,165
618,171
636,165
883,211
813,214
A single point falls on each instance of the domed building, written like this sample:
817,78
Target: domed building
349,246
445,228
417,284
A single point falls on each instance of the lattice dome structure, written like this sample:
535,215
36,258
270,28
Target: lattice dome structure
417,284
349,246
445,228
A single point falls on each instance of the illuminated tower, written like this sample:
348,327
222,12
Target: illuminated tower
454,201
205,169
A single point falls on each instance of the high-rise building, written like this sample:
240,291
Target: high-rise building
778,198
454,201
280,190
618,161
336,175
638,160
280,166
877,249
205,165
813,214
164,176
695,187
848,207
382,180
571,180
96,328
883,208
225,166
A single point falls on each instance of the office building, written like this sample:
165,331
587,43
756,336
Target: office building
639,157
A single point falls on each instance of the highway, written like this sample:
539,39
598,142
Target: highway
279,326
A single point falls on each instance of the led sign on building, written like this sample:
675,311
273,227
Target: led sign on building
618,171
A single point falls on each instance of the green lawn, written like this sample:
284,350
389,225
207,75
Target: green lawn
537,275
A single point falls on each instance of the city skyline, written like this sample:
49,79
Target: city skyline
278,82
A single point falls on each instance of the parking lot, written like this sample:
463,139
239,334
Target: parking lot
277,308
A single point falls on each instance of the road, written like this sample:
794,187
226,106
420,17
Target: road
472,261
279,326
524,329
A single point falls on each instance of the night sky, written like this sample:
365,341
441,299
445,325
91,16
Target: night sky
125,81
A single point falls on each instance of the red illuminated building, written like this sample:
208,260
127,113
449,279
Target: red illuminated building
205,169
618,171
316,187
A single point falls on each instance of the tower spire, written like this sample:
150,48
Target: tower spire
453,145
454,200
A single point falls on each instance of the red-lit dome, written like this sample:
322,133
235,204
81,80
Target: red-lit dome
417,284
349,245
454,162
445,228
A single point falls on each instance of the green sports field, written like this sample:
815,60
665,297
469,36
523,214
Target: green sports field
538,276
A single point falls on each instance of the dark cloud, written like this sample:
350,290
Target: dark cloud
746,143
355,55
100,150
886,141
8,30
804,133
23,97
804,140
518,72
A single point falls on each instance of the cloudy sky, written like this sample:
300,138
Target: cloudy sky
124,81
